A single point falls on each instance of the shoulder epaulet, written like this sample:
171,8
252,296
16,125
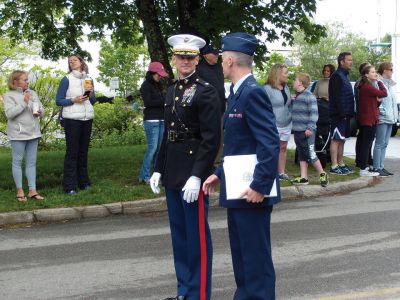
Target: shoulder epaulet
202,82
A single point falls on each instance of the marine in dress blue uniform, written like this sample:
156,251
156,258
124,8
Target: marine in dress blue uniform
185,160
249,128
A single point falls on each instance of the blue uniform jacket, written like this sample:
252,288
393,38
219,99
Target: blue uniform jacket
250,128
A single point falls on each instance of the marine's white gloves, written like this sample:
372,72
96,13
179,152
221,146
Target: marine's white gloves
154,182
191,189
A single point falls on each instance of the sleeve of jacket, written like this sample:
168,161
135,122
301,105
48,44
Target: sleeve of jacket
61,95
149,95
313,111
316,90
160,161
335,84
210,131
13,109
261,121
381,92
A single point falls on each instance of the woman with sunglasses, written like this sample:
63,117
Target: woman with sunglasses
388,115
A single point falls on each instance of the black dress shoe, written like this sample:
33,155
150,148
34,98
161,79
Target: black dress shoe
176,298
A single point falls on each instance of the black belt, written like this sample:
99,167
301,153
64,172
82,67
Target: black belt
178,136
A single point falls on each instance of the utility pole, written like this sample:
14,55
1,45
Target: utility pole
396,51
378,38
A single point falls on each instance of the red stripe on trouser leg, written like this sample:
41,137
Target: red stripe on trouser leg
203,248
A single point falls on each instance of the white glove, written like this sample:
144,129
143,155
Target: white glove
191,189
154,182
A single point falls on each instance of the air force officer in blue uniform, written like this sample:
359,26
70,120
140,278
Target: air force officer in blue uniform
185,160
249,128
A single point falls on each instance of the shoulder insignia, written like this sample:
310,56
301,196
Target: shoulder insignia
202,82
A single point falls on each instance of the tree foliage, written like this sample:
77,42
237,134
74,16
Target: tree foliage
275,58
126,63
59,25
312,57
11,58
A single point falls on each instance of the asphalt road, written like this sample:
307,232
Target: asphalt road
331,248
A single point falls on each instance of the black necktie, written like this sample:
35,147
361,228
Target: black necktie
231,92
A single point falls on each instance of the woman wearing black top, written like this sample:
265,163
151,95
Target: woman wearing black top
153,116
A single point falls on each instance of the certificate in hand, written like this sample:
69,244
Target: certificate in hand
239,171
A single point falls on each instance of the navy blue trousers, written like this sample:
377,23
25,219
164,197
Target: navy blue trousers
77,139
191,244
250,240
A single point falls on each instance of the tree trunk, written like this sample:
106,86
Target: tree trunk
155,40
187,13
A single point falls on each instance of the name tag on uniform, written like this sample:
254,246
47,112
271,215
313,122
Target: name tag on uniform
239,170
239,116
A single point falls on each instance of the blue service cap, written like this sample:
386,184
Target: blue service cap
240,42
209,49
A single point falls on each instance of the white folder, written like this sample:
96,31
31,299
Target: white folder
239,170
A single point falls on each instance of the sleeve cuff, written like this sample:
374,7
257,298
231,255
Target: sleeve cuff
263,187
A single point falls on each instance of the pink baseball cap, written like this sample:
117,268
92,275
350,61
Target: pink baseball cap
158,68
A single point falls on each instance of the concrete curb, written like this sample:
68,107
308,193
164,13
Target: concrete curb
159,204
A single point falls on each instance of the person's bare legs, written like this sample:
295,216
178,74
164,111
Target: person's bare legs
340,152
282,156
304,169
318,167
334,149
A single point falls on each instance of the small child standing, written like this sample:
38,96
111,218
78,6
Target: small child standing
304,118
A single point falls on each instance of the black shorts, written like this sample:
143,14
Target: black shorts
305,147
340,129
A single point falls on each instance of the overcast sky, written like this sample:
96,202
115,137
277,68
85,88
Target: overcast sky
366,17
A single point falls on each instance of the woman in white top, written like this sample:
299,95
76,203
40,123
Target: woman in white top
279,94
23,109
321,88
76,96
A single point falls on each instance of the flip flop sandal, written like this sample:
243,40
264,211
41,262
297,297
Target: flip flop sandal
36,197
21,198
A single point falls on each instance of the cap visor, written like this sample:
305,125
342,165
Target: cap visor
162,73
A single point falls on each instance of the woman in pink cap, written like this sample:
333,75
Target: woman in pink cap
153,116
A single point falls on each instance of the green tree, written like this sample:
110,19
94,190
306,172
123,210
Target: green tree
381,54
126,63
11,57
45,82
275,58
59,25
312,57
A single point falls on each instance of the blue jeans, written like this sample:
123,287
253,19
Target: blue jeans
154,134
383,132
19,149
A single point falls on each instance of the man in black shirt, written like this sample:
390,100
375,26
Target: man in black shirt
210,69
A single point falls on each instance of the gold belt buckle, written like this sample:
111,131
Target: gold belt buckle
171,136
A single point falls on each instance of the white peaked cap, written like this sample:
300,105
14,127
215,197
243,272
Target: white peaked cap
186,44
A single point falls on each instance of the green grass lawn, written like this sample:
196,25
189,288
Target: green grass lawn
113,171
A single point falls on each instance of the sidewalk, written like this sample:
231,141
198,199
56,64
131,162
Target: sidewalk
159,204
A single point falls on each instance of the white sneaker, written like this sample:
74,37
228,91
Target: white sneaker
366,172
